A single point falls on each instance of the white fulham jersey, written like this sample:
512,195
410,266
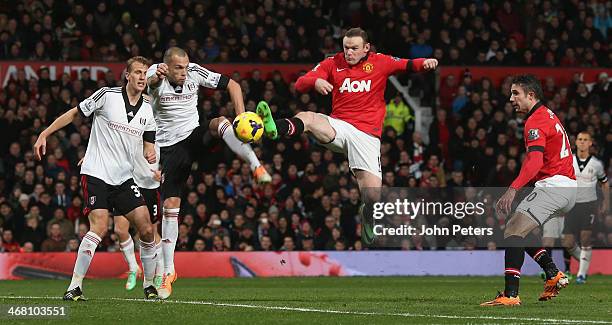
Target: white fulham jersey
176,107
143,171
117,128
588,173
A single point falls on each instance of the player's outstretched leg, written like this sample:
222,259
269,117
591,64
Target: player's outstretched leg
126,245
222,128
98,220
263,110
555,279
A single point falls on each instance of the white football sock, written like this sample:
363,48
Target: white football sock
85,254
159,267
169,236
243,150
585,261
127,248
148,257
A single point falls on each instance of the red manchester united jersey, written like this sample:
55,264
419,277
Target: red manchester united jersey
358,94
544,132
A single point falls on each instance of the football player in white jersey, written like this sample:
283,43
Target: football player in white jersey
173,86
579,221
122,120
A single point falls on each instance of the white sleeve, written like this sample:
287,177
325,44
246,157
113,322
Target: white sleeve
151,125
93,102
203,76
601,172
151,71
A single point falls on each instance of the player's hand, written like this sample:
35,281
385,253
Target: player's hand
150,156
323,87
156,175
40,147
504,205
80,161
430,64
162,71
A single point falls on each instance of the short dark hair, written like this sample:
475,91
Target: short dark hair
357,32
529,83
135,59
172,52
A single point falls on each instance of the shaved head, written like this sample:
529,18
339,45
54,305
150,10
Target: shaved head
172,52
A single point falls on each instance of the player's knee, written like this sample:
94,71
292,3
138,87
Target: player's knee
172,202
306,117
214,124
585,239
146,233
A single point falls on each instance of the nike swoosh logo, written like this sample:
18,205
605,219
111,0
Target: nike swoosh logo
338,70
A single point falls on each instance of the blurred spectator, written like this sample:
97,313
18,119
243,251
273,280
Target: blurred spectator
55,242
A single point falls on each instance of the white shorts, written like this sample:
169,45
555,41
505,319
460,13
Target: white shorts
362,149
550,198
553,228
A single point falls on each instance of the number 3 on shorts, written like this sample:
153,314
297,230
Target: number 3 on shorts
136,190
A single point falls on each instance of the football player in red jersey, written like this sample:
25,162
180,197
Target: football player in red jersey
356,78
549,163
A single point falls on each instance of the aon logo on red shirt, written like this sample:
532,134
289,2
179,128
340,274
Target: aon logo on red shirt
355,86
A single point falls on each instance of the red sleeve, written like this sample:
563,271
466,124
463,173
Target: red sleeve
530,168
535,136
395,64
322,70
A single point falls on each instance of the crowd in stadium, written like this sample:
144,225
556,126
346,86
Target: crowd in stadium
312,202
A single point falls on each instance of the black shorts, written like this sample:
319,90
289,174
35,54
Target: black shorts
121,199
153,201
176,161
581,217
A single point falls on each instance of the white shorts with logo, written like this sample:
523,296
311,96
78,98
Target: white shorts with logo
362,149
551,198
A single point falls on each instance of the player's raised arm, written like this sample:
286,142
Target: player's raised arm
235,92
410,65
316,78
156,73
40,147
85,108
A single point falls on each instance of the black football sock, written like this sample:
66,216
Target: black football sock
540,255
514,257
289,127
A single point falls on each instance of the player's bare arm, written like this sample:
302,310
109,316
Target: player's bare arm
605,204
160,74
235,92
149,152
40,147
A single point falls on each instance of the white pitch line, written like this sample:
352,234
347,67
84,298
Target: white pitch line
343,312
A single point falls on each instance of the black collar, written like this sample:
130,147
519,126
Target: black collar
533,109
582,163
130,110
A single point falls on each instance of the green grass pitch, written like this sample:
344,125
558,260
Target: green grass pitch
357,300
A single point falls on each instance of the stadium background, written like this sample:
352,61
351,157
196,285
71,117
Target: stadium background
449,128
